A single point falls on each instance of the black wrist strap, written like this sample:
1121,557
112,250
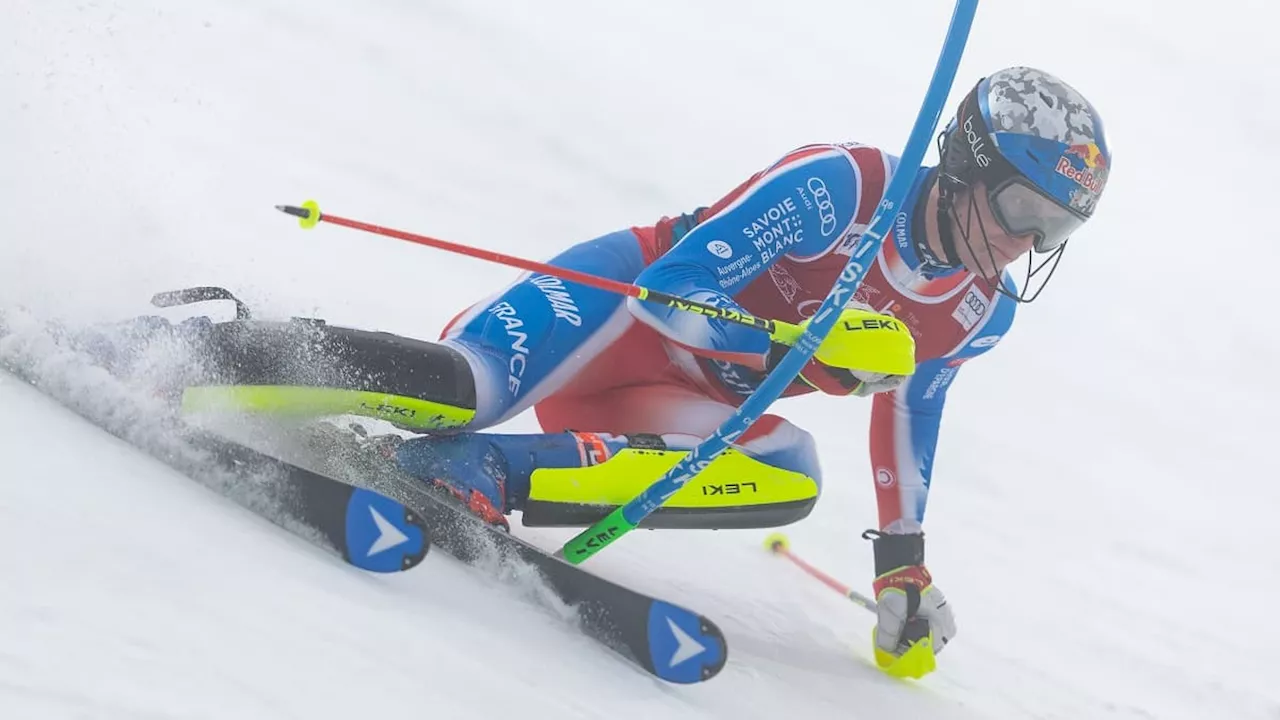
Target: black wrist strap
894,551
777,351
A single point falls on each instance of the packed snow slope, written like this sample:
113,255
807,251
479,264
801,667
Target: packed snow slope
1104,485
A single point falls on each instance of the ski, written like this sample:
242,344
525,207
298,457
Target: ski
666,640
332,491
364,528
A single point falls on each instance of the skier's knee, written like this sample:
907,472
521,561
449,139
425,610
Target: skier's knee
775,441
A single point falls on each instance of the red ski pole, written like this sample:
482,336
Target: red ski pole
918,658
778,544
309,214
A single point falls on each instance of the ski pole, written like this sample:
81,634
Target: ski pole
778,544
626,518
917,657
309,214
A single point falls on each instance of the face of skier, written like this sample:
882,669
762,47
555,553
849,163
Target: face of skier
982,243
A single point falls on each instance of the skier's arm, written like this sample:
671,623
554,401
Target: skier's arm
905,425
904,435
802,205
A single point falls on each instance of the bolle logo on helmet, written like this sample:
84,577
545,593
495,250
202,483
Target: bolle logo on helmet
976,143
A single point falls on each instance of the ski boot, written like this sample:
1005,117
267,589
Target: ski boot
466,466
350,451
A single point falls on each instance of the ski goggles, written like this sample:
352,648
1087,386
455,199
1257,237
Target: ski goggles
1021,209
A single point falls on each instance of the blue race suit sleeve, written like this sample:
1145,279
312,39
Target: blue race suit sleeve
905,425
772,216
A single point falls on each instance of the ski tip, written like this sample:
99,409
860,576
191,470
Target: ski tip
308,213
381,534
777,543
684,647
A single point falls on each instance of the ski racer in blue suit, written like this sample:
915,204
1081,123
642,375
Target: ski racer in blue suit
1023,164
1021,167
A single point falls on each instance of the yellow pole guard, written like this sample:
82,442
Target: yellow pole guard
861,340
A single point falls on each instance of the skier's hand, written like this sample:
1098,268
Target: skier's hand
913,620
864,353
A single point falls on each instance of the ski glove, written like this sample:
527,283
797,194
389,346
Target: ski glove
864,353
913,619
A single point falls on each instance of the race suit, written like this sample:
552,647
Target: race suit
590,360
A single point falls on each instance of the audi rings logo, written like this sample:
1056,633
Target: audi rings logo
826,210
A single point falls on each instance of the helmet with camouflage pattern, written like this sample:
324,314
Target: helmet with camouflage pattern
1038,147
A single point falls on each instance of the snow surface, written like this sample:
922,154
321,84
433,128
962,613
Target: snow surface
1101,515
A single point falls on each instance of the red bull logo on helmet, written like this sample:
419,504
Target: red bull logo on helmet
1085,164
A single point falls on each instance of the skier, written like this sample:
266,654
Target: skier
1022,165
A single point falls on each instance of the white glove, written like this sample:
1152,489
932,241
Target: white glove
870,383
910,609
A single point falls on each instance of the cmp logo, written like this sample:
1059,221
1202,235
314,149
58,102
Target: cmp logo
720,249
826,209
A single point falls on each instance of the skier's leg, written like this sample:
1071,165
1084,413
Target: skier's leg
521,345
495,360
770,477
301,367
683,416
530,339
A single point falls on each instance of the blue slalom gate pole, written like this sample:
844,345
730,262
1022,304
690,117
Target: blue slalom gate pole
627,517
